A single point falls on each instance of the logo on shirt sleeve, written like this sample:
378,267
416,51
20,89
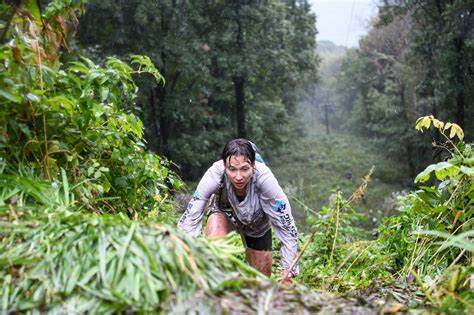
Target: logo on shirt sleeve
280,205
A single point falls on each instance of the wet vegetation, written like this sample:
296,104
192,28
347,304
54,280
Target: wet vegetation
95,140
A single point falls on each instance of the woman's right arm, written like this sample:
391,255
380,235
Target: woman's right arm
191,219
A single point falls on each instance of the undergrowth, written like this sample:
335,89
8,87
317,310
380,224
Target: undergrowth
427,246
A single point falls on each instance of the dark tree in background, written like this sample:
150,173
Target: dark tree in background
232,69
416,60
442,36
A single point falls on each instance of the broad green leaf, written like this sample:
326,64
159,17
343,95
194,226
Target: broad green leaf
32,97
446,169
442,170
90,170
431,189
146,65
467,170
34,10
99,188
425,175
104,93
67,104
79,67
439,209
106,185
10,97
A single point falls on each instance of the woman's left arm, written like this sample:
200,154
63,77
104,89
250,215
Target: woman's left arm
276,205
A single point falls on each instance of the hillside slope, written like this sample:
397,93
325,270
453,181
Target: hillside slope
317,165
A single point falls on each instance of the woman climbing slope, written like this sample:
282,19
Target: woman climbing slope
249,200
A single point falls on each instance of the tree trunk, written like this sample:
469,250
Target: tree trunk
459,77
239,85
239,77
326,117
162,120
154,133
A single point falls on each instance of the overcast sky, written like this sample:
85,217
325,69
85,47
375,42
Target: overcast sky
343,21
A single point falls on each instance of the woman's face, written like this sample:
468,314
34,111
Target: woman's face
239,171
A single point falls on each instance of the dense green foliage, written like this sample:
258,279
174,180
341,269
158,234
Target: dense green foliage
431,236
428,240
75,118
71,146
416,60
445,208
231,69
70,262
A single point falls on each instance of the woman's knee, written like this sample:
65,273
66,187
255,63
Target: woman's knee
217,225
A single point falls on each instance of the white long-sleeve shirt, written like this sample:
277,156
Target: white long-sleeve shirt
263,194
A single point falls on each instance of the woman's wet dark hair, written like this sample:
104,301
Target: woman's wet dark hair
239,147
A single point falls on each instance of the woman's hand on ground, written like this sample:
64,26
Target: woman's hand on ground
287,278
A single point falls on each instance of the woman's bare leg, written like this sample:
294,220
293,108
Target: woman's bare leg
260,260
217,225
